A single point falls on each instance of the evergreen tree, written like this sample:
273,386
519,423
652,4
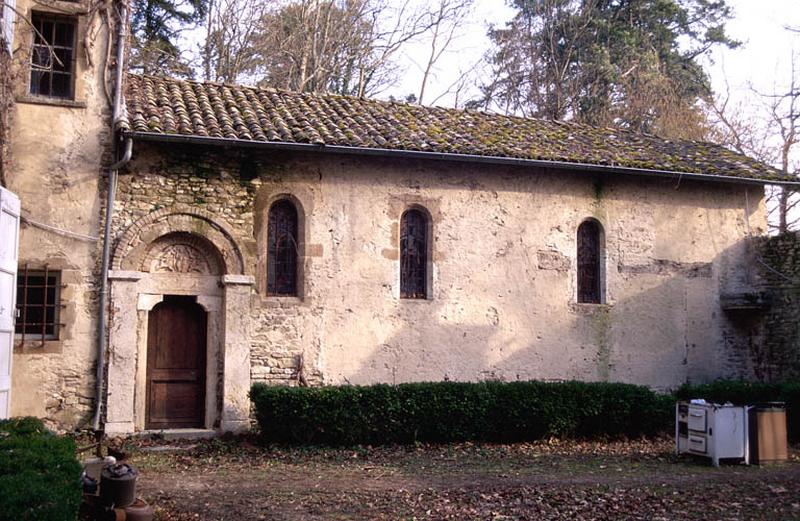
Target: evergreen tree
156,26
632,63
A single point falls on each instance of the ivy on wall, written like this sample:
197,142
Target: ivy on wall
6,99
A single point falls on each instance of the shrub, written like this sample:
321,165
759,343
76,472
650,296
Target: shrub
750,393
456,411
39,474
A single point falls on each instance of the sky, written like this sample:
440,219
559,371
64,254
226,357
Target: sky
762,60
465,54
761,64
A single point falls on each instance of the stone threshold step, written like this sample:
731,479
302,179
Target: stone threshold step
178,434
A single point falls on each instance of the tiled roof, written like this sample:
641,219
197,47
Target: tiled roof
165,106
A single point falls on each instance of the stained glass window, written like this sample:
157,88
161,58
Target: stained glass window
282,249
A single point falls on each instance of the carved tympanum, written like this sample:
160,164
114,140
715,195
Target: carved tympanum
180,258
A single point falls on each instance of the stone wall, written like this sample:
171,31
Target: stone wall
503,290
56,152
226,189
779,268
276,347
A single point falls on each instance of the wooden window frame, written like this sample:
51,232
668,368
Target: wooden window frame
47,329
37,49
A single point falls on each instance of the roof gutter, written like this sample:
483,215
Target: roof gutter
443,156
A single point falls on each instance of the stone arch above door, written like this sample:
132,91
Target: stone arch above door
182,240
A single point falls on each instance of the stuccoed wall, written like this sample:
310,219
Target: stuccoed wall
778,358
503,297
56,152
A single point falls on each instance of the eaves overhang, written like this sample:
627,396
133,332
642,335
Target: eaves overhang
443,156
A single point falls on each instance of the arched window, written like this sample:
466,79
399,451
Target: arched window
413,254
590,248
282,249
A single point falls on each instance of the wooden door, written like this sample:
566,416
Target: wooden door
176,364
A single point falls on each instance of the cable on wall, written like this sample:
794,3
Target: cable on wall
59,231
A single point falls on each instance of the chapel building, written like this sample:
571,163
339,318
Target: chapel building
258,235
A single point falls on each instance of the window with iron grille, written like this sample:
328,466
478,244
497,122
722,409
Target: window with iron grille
53,56
282,249
413,255
38,304
589,263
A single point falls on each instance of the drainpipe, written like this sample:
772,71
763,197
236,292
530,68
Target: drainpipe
102,328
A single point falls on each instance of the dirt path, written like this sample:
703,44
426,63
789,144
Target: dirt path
637,480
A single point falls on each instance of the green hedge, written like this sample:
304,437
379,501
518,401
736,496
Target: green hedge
747,393
39,474
455,411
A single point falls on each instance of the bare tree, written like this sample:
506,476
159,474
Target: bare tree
461,85
342,46
393,25
771,136
299,44
784,111
231,27
444,24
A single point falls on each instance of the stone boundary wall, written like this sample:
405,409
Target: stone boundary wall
779,267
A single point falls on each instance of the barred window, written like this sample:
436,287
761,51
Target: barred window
282,249
413,254
38,304
53,56
590,262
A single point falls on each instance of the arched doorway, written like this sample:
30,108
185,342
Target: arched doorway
178,346
176,364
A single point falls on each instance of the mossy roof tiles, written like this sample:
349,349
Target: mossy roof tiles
168,106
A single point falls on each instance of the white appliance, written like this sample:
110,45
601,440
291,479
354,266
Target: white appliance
713,431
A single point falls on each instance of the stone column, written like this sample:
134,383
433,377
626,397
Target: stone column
216,340
122,352
236,354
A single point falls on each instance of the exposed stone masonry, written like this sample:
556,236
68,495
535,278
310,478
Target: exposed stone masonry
780,273
202,182
199,184
276,344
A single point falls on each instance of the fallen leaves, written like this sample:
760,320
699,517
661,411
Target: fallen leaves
548,480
